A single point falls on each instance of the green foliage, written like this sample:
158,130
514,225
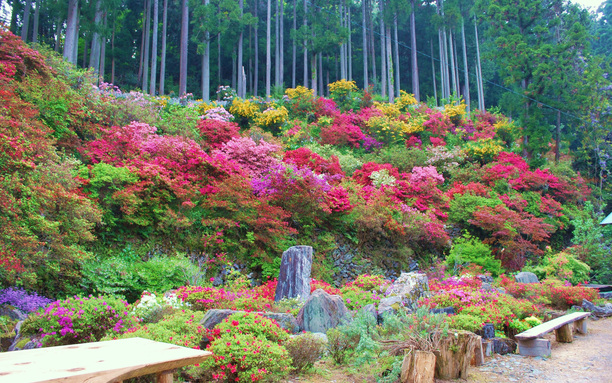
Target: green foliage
466,322
404,159
564,266
463,207
304,350
339,345
594,242
254,324
468,249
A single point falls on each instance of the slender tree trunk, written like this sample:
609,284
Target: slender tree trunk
240,43
466,73
234,70
268,49
145,75
94,58
218,61
383,55
342,66
321,73
206,64
162,65
184,42
58,29
433,71
142,42
481,102
442,65
85,52
154,47
281,69
457,77
350,45
103,51
113,50
256,82
558,137
452,63
396,56
364,42
391,92
75,53
71,31
276,46
413,55
372,44
25,27
305,45
313,71
36,19
294,46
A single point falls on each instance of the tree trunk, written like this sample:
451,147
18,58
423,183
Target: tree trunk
342,68
365,44
145,73
383,55
36,19
294,46
162,65
281,69
102,51
452,64
240,43
94,58
142,42
433,72
466,73
154,47
481,102
313,72
276,46
25,27
391,92
75,52
256,76
396,57
268,49
305,45
455,354
206,64
558,138
113,51
321,73
184,41
413,55
418,367
350,45
71,31
85,52
58,29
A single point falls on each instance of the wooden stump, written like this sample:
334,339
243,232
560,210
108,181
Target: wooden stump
418,367
534,347
455,354
565,334
581,326
478,358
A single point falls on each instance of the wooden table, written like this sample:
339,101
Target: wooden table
109,361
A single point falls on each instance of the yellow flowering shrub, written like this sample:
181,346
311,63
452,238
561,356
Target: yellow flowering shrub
342,88
244,108
405,100
455,112
415,124
161,100
484,150
272,118
389,110
299,92
203,107
385,129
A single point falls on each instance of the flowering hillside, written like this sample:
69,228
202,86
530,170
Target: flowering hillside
95,183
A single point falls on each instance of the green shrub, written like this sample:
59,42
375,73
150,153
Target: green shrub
466,322
462,207
468,249
564,266
404,159
254,324
338,345
181,328
304,350
79,320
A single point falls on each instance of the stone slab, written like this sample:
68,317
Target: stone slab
534,347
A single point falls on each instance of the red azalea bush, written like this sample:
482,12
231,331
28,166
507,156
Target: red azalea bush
342,132
307,158
215,132
254,157
362,175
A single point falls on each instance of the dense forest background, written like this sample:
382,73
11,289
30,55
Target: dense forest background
511,107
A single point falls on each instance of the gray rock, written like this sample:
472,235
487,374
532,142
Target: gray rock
286,321
486,278
503,346
597,311
526,277
322,312
214,317
444,310
294,278
370,309
11,312
389,304
410,287
488,331
606,295
486,286
321,336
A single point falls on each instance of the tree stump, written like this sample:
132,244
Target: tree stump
418,367
565,334
455,354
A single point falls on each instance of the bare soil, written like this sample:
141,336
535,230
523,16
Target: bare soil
587,359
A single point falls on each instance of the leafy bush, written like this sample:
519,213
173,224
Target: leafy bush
79,320
468,249
564,266
22,300
304,350
251,323
151,309
339,345
467,322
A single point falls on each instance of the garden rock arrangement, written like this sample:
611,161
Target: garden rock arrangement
526,277
410,287
294,277
597,311
322,312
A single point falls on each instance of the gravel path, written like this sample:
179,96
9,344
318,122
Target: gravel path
587,359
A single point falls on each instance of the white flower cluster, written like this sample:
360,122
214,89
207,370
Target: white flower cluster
150,304
382,177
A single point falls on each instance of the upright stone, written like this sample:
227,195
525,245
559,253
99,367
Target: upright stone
321,312
294,278
526,277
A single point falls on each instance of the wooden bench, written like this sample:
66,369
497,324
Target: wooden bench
99,362
531,342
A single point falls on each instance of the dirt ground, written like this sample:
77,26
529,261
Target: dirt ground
587,359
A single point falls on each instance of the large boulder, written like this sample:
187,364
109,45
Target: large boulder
526,277
597,311
294,277
215,316
322,312
410,287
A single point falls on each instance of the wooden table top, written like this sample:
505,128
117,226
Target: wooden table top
98,362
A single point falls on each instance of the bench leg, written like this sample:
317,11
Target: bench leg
165,376
534,347
565,334
581,326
